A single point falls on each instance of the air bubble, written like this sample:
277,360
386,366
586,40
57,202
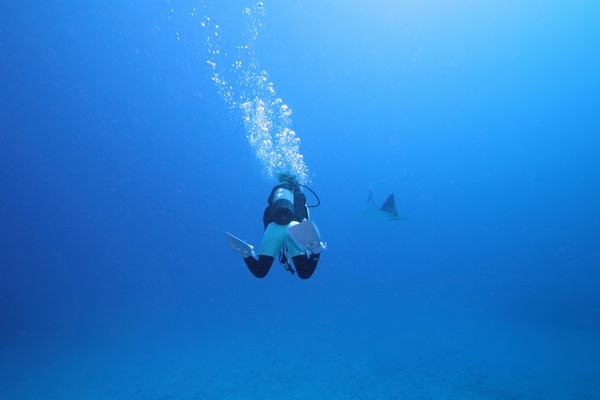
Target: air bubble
247,88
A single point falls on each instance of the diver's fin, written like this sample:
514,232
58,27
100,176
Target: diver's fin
240,246
306,235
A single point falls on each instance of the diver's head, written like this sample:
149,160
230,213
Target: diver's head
286,177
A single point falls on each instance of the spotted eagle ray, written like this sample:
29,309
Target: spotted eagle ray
387,210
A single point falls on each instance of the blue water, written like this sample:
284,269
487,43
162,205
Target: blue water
124,159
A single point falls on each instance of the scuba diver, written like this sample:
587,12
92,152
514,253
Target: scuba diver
288,232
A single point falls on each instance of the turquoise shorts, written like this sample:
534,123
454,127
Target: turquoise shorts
276,237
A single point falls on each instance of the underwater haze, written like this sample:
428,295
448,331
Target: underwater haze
133,135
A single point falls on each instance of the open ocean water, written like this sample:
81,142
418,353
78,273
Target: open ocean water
134,134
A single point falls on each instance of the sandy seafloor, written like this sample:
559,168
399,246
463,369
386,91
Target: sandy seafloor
489,361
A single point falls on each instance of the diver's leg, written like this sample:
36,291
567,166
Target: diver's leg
305,266
259,268
269,248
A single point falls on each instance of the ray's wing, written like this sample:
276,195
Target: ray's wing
370,202
371,207
372,211
389,206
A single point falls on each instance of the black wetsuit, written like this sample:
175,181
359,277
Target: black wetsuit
305,266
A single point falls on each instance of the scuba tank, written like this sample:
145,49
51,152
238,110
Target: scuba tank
282,207
287,203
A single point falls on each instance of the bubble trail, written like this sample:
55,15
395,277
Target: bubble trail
245,87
